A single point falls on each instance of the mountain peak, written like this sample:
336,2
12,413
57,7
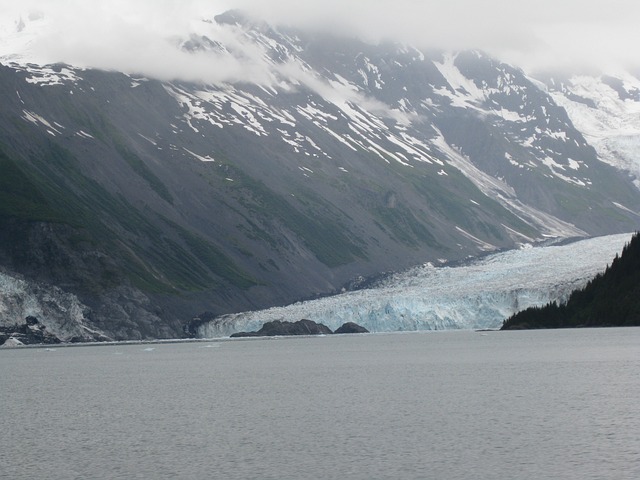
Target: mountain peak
233,17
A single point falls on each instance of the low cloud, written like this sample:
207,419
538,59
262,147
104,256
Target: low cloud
546,34
142,36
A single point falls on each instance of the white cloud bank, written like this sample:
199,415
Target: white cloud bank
540,34
140,36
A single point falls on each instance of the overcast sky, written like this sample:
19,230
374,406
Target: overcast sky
535,35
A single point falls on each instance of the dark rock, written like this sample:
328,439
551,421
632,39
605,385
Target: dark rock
351,327
246,334
283,328
29,333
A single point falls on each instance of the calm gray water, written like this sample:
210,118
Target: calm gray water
441,405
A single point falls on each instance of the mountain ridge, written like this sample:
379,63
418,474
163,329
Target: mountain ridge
344,162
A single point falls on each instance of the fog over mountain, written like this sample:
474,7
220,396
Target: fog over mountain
140,37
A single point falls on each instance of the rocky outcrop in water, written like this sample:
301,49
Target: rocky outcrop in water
283,328
301,327
351,327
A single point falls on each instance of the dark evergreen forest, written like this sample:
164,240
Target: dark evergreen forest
610,299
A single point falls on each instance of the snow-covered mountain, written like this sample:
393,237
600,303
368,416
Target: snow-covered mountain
478,295
606,109
283,164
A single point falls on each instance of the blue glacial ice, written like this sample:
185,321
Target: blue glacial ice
477,295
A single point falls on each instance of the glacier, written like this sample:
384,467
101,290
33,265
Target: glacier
479,294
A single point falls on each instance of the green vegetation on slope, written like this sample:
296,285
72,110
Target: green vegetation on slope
155,259
20,197
213,259
610,299
320,229
144,172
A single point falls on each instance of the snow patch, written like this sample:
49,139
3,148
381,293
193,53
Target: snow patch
37,119
205,158
83,134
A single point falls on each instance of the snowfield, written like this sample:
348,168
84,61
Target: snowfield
477,295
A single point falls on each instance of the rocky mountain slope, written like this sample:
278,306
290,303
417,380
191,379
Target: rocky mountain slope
153,200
